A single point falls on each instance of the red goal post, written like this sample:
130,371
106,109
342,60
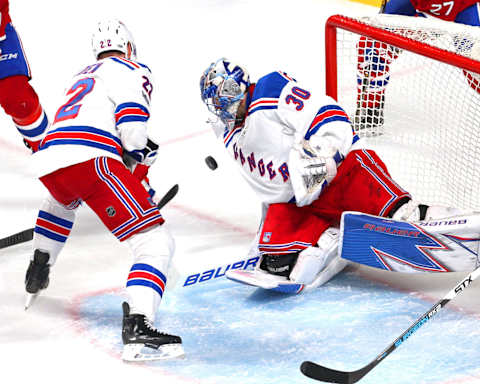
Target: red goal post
357,26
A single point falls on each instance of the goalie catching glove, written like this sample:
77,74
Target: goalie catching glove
312,167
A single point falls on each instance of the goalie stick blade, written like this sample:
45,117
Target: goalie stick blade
17,238
328,375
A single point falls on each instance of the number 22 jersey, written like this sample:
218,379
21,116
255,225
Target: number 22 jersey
105,111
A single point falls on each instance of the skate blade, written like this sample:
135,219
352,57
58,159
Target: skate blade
138,352
29,299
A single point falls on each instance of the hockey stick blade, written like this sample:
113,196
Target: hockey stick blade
17,238
328,375
168,196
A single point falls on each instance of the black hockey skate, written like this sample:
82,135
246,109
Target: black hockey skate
138,333
36,278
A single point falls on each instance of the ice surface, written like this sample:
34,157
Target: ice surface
232,333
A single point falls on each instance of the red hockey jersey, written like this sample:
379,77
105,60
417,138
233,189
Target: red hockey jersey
445,10
4,18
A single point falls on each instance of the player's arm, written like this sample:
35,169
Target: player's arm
323,137
131,91
4,18
131,117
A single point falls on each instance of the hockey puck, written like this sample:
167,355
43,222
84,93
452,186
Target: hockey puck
211,162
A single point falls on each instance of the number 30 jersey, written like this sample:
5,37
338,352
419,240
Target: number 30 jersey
105,111
280,114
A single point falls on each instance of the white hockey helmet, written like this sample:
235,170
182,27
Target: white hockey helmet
113,35
222,86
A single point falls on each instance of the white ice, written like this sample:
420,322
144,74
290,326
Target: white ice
72,333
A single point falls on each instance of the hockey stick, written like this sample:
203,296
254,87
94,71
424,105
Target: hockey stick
318,372
27,234
168,196
17,238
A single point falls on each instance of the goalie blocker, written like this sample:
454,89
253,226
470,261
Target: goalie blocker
417,239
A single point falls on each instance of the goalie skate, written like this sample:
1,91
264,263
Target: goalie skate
143,342
260,279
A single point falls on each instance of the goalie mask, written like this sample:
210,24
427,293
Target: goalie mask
222,86
113,35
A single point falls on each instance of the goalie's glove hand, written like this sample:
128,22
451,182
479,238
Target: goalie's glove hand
147,155
311,169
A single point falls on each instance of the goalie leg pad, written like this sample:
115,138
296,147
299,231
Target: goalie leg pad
436,245
312,267
310,262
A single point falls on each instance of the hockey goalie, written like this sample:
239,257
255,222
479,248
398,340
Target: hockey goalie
298,151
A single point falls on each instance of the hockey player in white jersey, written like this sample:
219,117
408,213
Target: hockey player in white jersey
299,153
104,114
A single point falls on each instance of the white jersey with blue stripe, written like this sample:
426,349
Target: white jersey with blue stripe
105,110
281,113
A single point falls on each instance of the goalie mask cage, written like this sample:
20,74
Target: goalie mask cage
429,137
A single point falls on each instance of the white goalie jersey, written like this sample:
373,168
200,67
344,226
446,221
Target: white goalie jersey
106,108
282,114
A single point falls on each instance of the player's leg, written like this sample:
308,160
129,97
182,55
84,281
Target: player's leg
362,184
126,208
373,74
52,228
17,97
299,246
152,250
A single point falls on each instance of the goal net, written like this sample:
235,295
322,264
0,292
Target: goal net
410,86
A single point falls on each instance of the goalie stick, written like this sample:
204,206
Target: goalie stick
321,373
27,234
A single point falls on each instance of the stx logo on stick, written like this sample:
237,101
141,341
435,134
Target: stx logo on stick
464,284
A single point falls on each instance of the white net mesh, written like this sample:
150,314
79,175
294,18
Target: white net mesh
422,116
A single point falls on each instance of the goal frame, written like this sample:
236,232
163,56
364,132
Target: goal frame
352,25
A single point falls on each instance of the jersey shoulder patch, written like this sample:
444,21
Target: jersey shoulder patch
267,91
